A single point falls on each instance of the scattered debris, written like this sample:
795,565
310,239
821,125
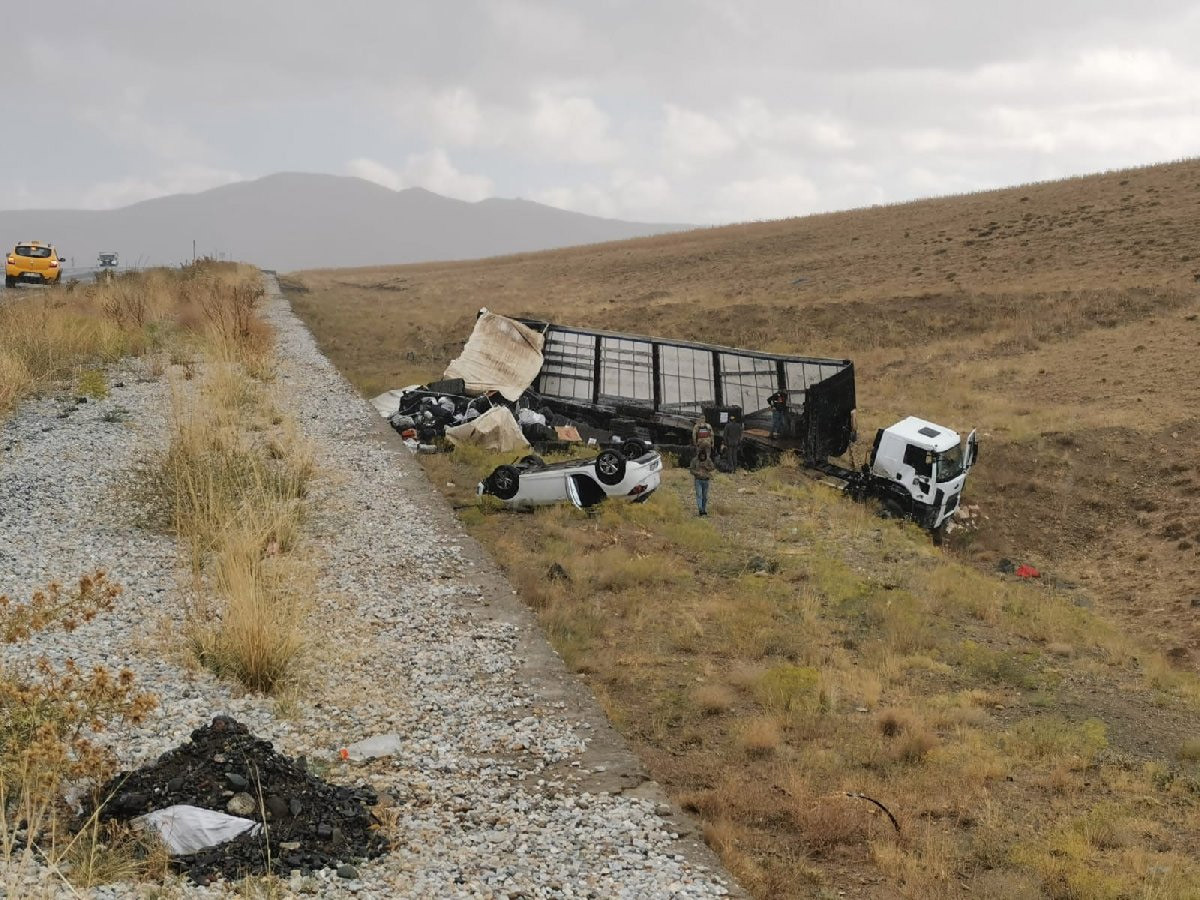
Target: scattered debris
374,747
302,822
495,430
760,565
1027,571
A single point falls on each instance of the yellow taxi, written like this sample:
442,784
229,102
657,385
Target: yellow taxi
32,262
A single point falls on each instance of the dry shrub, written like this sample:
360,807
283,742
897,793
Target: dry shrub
1189,750
913,746
721,835
833,820
237,498
15,380
713,698
213,475
789,690
48,718
54,334
760,736
255,636
908,739
893,722
230,322
745,675
616,569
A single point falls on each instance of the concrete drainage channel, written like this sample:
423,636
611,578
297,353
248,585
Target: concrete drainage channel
494,773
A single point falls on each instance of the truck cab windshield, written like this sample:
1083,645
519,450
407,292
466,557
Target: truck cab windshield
950,464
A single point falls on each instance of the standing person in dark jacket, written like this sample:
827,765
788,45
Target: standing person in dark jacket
778,402
733,441
702,469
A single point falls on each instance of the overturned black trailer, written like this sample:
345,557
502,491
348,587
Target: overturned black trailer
654,389
658,387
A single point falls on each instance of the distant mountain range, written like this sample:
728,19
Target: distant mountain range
300,221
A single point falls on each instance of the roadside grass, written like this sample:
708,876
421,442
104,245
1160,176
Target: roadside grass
70,333
852,656
232,484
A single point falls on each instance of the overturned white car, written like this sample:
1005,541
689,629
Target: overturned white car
585,482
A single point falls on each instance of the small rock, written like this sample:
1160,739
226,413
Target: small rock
236,781
240,804
277,807
295,806
345,871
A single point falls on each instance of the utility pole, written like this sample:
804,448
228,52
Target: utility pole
193,251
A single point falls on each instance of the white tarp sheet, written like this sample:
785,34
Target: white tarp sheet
501,355
495,430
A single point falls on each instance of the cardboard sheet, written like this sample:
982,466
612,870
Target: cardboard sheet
501,355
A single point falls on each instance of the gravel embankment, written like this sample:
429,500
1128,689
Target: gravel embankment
508,782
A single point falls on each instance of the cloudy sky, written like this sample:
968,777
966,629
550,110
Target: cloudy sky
662,110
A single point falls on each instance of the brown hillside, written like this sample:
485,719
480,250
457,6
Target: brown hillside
1060,318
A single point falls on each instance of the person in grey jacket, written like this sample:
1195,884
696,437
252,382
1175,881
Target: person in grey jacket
702,469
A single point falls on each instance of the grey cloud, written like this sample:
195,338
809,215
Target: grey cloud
677,110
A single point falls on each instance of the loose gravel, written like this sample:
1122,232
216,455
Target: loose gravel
492,789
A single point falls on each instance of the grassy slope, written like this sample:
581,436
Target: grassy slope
1060,318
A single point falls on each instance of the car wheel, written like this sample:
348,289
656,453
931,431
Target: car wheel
505,482
891,510
632,449
9,282
610,467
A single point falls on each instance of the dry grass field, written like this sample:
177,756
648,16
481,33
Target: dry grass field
1063,320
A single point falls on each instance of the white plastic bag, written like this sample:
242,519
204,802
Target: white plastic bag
526,416
189,829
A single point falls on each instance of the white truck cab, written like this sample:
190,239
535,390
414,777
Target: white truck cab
919,469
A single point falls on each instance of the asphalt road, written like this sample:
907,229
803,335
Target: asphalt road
78,273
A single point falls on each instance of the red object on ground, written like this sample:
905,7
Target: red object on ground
1027,571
